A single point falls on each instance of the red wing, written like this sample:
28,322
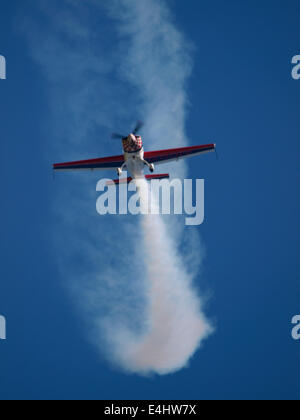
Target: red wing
113,162
163,156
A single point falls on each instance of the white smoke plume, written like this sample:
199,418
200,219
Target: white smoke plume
134,286
155,59
176,325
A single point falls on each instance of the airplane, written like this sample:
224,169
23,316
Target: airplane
135,159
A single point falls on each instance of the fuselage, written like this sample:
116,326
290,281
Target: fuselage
135,163
134,155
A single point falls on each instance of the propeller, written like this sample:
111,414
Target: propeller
117,136
138,127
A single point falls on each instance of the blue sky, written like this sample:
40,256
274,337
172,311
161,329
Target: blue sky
241,96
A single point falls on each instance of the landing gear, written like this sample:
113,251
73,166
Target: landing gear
150,165
120,170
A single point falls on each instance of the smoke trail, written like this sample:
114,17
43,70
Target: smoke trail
133,285
157,62
175,324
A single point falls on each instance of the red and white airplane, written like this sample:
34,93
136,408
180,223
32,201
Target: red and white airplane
134,159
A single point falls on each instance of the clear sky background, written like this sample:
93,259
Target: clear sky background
243,98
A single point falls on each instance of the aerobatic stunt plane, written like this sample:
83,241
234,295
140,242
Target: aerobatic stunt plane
134,159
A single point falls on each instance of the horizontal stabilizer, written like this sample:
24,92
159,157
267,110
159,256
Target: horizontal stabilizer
128,180
157,176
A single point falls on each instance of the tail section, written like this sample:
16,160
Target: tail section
128,180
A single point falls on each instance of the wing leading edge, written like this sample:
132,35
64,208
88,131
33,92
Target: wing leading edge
169,155
113,162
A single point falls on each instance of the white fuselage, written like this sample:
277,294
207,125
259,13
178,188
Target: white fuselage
135,163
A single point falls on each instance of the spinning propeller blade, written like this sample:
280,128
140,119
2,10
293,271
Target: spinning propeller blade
138,127
117,136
